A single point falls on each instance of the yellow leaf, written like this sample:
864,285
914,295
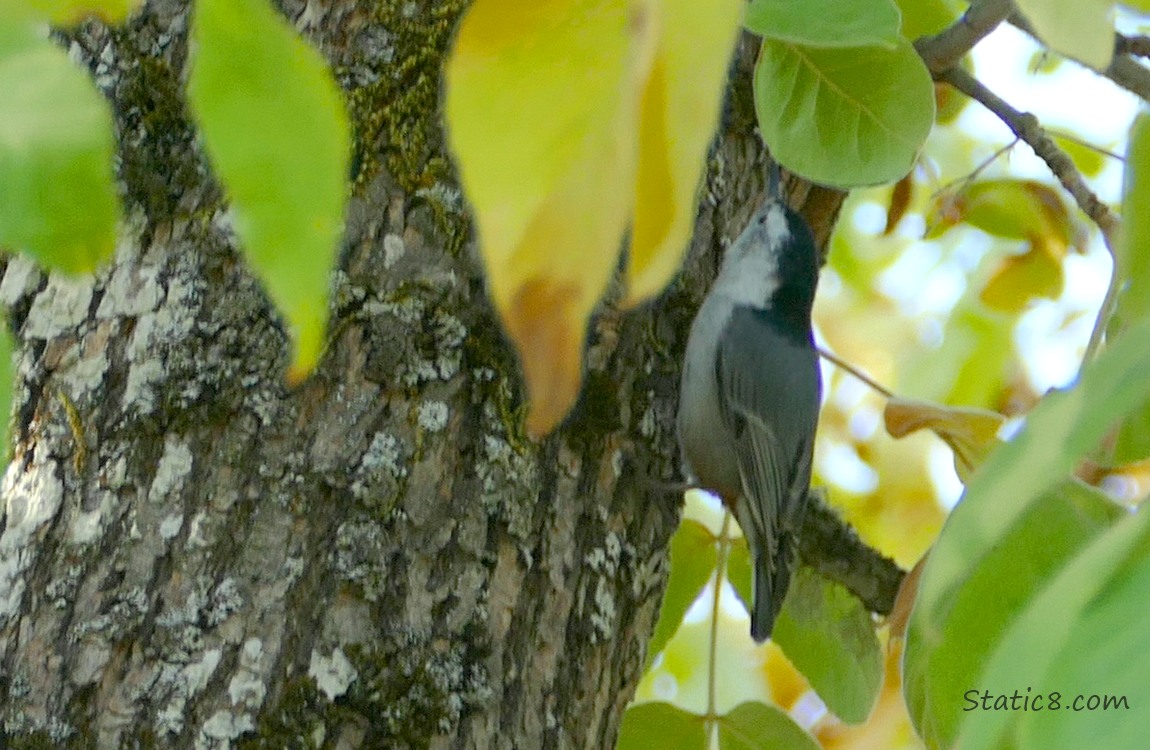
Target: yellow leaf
680,109
1014,209
542,107
561,115
533,92
546,315
68,12
904,600
971,433
1020,278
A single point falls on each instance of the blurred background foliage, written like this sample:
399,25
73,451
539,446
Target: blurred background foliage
971,283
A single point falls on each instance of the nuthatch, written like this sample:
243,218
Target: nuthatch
749,395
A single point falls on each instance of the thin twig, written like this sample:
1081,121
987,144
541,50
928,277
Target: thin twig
1067,136
969,178
841,364
716,602
1103,319
1026,126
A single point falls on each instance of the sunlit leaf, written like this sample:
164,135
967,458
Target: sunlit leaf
904,599
1014,209
1081,634
844,117
65,12
1044,62
1132,441
569,119
661,725
1002,495
971,433
275,129
1019,279
948,103
922,17
826,23
1133,262
1081,29
1058,431
680,109
972,365
1036,547
1089,161
753,726
57,195
1104,655
739,571
829,636
693,557
542,108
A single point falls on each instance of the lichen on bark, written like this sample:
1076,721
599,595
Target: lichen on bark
188,544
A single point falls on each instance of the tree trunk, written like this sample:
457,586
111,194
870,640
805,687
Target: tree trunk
195,555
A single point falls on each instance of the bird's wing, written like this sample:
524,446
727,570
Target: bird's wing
773,418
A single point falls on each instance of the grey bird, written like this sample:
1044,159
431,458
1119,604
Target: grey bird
749,395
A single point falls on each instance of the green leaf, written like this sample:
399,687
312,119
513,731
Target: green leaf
844,117
1032,552
274,126
753,726
1015,209
1081,29
1133,268
57,195
63,12
1058,431
693,556
830,638
661,725
1133,262
972,365
1132,442
739,571
922,17
1105,655
826,23
1019,279
1084,634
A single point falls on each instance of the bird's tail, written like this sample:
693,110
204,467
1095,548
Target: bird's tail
772,578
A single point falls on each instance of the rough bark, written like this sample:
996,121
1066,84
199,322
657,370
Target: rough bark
194,555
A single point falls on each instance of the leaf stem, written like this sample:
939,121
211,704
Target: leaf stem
712,714
842,364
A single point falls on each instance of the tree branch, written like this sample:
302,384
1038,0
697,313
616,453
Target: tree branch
1122,69
1138,46
830,546
1026,127
945,49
